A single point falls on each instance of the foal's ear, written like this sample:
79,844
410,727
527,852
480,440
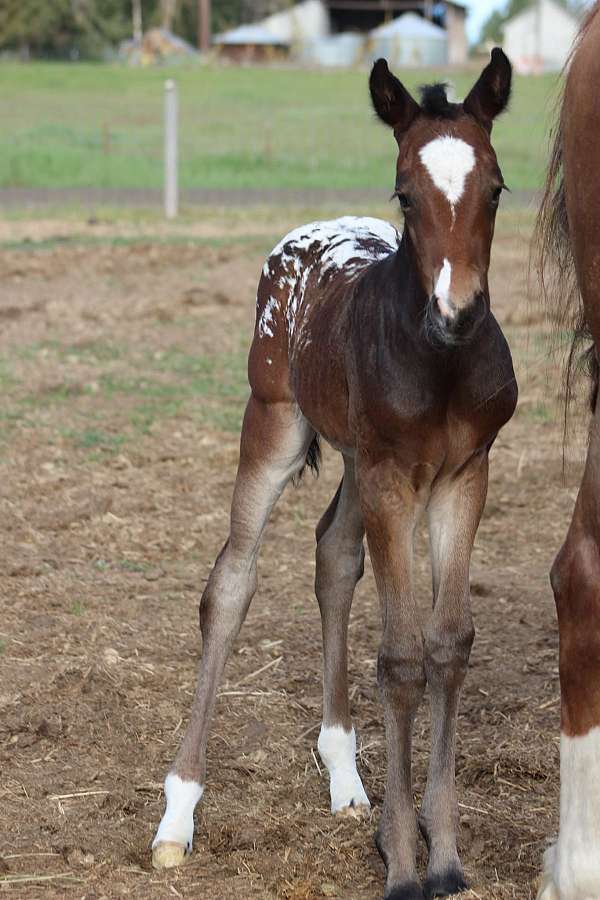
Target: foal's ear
490,95
391,101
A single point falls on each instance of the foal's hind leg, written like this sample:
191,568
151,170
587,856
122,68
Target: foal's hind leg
275,439
454,512
340,564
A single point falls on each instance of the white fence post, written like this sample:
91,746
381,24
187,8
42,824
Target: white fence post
171,187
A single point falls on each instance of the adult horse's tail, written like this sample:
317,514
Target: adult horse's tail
554,258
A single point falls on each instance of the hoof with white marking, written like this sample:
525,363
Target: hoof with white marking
173,841
337,749
572,865
168,855
548,889
354,810
348,797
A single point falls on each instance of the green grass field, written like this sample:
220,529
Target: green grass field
77,125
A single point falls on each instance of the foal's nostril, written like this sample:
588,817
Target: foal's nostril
445,307
444,310
447,324
441,314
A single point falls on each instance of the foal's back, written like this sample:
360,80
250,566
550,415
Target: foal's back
303,293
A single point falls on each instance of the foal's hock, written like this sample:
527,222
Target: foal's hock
383,345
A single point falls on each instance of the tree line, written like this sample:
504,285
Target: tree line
89,29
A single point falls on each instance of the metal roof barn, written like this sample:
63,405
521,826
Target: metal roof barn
409,41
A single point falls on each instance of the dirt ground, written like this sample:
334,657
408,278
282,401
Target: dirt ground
122,383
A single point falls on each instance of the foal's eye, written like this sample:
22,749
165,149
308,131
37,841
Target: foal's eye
404,200
496,195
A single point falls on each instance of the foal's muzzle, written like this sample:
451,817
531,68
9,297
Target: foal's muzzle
455,325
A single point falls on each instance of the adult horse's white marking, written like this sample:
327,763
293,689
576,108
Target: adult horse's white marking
442,289
448,160
177,824
337,749
573,864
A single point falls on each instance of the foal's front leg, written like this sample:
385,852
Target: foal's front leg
454,512
391,509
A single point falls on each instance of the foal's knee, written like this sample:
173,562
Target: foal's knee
447,651
401,670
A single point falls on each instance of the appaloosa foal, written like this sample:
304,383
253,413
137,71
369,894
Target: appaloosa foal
387,348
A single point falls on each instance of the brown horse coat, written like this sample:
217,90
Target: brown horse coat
384,345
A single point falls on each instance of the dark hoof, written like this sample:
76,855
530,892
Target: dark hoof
445,885
409,891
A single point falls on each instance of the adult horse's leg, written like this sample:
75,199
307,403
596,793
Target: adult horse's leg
573,864
273,448
340,564
391,510
454,512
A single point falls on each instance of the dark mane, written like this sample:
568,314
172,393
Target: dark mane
435,103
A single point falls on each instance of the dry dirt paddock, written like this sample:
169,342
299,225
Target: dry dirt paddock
122,357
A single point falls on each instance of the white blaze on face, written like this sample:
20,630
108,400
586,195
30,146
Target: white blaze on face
442,289
448,161
573,864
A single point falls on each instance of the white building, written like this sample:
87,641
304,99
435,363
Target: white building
539,38
410,41
306,21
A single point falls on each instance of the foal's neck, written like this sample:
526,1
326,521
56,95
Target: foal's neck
406,300
406,258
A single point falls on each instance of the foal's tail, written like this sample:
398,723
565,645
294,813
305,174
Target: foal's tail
313,459
555,263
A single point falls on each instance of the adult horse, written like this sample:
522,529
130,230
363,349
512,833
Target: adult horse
568,233
387,349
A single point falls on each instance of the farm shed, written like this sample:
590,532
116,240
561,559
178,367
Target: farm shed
250,43
366,15
539,38
410,40
301,24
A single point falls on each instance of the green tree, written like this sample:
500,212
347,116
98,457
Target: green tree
86,28
492,28
62,28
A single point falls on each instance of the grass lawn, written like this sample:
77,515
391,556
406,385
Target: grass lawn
81,125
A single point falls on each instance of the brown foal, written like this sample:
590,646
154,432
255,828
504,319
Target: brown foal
385,346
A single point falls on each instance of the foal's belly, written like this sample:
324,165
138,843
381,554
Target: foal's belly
318,382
